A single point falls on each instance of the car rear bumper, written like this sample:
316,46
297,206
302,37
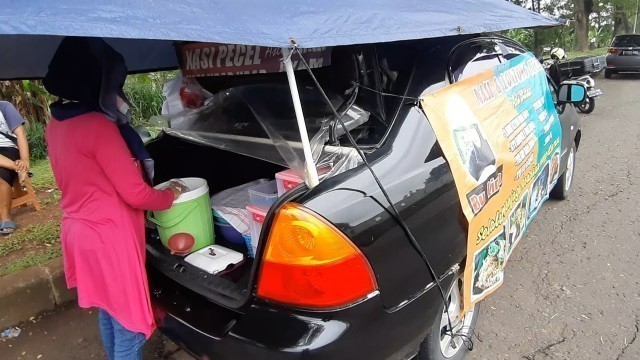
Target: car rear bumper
624,68
623,63
262,331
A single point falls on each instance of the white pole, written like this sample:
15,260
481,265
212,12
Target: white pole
636,22
311,174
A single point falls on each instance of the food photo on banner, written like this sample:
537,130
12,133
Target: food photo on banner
518,221
500,133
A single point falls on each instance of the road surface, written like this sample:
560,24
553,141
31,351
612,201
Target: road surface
572,286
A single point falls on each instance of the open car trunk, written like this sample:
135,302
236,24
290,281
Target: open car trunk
247,131
177,158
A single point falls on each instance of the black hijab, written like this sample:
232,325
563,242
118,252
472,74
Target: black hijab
88,75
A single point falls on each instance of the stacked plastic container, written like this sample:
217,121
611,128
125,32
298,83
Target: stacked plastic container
261,198
287,180
264,195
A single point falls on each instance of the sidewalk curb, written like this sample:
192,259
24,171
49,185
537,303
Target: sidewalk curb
31,291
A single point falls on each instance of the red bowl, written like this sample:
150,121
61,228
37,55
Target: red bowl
181,243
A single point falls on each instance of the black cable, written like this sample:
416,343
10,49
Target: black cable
396,213
384,93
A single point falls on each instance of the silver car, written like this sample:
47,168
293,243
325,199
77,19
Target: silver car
624,55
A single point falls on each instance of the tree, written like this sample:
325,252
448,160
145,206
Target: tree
29,97
621,10
582,23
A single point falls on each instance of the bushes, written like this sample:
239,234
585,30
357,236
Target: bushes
145,93
35,136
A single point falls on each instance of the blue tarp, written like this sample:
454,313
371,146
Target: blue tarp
312,23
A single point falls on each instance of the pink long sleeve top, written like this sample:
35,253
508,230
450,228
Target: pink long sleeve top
103,202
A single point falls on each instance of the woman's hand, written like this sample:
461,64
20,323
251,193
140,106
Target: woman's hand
23,165
23,147
177,188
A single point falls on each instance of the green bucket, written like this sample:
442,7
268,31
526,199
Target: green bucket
190,213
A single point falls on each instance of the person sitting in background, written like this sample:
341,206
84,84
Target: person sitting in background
14,161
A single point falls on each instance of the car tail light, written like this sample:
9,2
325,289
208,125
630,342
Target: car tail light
613,51
310,264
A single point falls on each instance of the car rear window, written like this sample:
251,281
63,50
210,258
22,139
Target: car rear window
626,41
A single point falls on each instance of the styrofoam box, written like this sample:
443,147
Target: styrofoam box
214,258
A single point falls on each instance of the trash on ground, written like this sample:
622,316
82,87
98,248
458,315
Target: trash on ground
11,333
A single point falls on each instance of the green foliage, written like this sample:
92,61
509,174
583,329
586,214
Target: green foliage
523,36
145,93
37,143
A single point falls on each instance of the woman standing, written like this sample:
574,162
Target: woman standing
95,160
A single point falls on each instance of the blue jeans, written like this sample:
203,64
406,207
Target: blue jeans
119,343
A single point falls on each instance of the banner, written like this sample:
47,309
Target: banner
501,135
209,59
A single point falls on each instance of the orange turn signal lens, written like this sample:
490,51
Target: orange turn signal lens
309,263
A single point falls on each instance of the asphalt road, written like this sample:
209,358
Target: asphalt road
571,290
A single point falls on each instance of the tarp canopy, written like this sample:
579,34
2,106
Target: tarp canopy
143,30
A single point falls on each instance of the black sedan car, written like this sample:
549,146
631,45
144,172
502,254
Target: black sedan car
335,275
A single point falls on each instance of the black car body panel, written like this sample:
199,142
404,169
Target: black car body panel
266,331
389,324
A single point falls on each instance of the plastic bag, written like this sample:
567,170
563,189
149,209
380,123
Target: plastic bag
182,97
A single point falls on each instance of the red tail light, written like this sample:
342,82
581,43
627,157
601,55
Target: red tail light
308,263
613,51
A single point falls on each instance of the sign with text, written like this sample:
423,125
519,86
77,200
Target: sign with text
210,59
501,134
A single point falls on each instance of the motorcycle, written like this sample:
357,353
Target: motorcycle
587,81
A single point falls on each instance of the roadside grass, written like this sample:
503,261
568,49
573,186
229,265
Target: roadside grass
31,259
39,243
42,175
41,234
594,52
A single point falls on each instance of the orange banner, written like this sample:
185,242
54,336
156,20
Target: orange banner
501,134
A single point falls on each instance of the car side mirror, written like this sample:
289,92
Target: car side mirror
572,94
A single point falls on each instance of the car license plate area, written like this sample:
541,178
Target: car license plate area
594,92
631,53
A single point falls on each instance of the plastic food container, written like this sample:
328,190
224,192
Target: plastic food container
264,195
250,250
228,233
287,179
257,220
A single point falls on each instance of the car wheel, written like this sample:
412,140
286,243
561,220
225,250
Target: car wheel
608,73
439,345
563,186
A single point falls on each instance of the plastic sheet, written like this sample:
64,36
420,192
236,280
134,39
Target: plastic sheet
259,121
